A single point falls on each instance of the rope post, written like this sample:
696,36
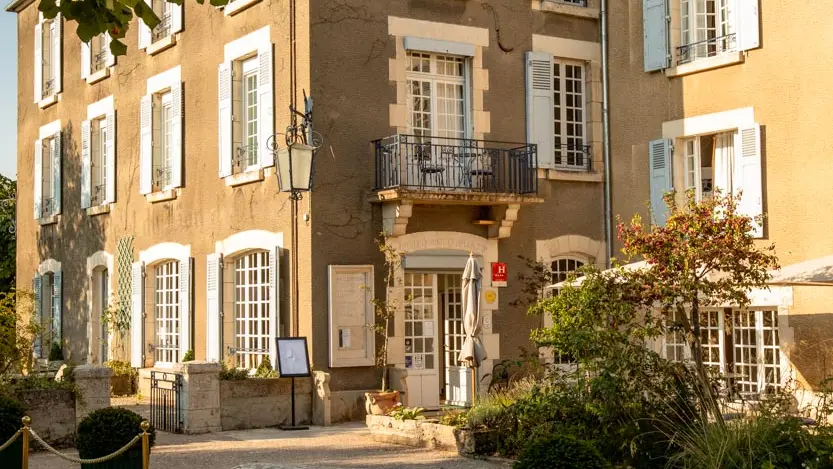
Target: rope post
145,425
26,422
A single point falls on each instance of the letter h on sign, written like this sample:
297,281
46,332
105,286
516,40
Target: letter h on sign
499,274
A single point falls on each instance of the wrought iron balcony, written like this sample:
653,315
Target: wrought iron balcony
706,48
99,193
46,207
162,176
98,61
163,29
245,156
455,165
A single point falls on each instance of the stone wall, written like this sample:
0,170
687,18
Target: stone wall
419,433
93,384
347,406
258,403
53,414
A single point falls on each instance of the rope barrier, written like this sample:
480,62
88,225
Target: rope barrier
75,460
11,440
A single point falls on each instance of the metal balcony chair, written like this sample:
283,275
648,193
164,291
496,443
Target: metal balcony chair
483,171
430,173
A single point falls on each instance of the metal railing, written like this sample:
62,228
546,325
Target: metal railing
572,156
99,61
165,402
99,194
162,177
244,157
455,164
163,29
48,88
46,206
581,3
706,48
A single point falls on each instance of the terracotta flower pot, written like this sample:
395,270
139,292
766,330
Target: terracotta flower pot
380,403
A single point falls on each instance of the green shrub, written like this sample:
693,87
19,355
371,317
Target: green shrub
107,430
233,374
455,418
121,368
560,452
189,356
55,352
264,370
11,413
401,412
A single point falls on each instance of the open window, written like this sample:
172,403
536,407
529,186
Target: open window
98,155
163,34
48,57
47,178
96,58
161,135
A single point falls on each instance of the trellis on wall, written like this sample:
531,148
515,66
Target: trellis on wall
124,261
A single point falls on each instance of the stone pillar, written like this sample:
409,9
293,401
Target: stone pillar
321,404
200,397
93,388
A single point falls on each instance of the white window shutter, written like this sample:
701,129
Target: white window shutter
38,62
224,83
144,31
38,178
655,32
661,181
110,157
540,116
57,68
146,146
57,307
36,289
748,24
86,165
137,306
213,297
274,295
57,151
86,54
176,17
176,116
111,59
184,306
748,177
266,100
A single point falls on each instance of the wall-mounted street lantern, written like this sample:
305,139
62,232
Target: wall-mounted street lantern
295,167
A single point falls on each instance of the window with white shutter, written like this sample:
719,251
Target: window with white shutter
709,28
48,71
540,106
214,290
98,154
137,315
49,200
161,140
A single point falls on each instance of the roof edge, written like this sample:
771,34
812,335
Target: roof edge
17,6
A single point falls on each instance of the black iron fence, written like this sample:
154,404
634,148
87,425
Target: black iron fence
455,164
706,48
166,401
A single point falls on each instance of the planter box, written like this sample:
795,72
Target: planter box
476,442
261,403
418,433
132,459
12,457
122,385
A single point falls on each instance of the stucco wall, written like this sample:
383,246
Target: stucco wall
792,113
53,414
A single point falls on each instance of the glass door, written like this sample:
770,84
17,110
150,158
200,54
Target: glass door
421,334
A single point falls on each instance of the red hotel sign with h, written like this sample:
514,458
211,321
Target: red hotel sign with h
499,274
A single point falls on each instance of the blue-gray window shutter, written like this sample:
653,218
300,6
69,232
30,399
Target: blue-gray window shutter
655,30
661,181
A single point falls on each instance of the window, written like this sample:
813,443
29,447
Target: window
252,309
47,58
742,344
563,267
569,111
163,138
420,317
101,301
166,312
164,10
437,96
707,28
246,132
581,3
47,196
709,163
48,306
98,168
99,51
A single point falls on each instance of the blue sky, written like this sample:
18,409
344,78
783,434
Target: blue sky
8,93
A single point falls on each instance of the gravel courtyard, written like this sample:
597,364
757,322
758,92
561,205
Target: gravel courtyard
339,447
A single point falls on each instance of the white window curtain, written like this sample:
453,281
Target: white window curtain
724,161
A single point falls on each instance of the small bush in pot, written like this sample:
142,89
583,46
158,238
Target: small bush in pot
11,414
106,431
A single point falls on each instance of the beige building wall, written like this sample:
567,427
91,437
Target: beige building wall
345,56
782,82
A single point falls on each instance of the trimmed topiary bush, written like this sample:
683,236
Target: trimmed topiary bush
106,430
560,452
11,413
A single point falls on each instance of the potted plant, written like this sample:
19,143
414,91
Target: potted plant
106,431
381,402
11,414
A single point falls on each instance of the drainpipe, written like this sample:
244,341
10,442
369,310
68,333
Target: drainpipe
608,211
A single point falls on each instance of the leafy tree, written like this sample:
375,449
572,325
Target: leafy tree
8,209
96,17
703,257
16,338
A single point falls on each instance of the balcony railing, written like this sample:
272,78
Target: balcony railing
98,61
571,156
454,164
163,29
99,194
706,48
245,156
162,176
46,206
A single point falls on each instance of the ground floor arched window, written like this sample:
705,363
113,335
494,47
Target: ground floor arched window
166,293
252,309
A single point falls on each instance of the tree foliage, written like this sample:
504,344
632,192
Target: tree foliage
17,335
95,17
8,238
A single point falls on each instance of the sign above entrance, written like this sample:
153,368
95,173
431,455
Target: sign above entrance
500,274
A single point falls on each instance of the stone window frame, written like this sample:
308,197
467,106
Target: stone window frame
590,9
591,54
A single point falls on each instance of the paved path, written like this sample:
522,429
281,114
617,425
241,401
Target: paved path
346,446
